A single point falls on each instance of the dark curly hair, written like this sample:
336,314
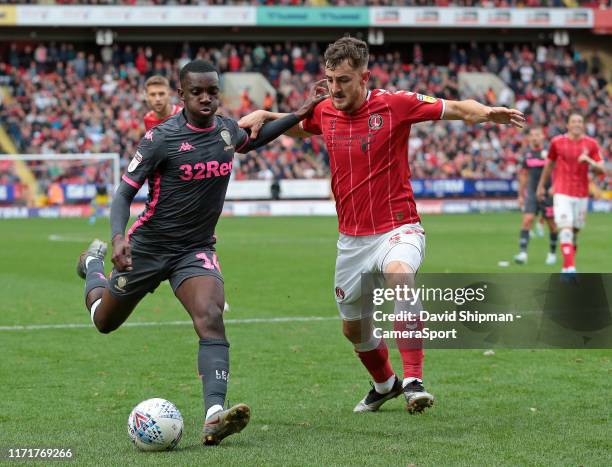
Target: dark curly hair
347,48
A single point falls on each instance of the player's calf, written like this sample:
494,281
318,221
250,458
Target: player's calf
110,312
90,266
566,237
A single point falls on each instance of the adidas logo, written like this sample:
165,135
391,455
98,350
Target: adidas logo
186,147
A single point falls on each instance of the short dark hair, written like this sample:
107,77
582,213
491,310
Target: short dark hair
575,112
158,80
347,48
197,66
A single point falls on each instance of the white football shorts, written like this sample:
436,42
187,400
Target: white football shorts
570,211
370,254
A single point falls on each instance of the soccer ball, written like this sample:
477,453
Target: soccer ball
155,425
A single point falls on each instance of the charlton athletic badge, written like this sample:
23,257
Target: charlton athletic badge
375,122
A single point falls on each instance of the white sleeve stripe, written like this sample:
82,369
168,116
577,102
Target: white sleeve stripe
443,109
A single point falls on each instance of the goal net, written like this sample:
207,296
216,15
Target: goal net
38,181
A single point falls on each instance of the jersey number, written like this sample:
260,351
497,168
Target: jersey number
201,170
188,174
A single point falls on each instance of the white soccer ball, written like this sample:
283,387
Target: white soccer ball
155,425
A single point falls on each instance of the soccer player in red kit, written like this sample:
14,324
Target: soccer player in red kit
157,94
366,134
570,156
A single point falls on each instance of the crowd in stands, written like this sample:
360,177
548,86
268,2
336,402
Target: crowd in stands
66,99
322,3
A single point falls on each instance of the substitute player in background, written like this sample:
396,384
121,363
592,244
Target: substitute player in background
158,97
570,156
366,134
533,163
188,162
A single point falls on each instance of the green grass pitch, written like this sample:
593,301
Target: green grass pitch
73,387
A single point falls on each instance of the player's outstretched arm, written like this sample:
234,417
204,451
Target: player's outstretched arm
270,131
473,112
548,168
257,119
119,216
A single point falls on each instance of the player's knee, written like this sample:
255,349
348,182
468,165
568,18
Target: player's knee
209,319
566,236
527,221
399,273
348,333
104,326
354,331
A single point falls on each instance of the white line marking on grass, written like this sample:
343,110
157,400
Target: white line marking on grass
36,327
68,238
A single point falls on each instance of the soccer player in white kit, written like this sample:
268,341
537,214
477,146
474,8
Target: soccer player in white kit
366,134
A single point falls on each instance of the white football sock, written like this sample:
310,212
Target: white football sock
94,306
89,258
384,388
213,410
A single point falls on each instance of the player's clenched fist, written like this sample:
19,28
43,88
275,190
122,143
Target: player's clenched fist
122,254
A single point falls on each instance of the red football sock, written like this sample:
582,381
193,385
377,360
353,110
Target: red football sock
411,351
568,255
377,362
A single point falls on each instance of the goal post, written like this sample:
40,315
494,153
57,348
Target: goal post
24,178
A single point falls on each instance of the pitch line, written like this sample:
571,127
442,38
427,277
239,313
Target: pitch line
36,327
68,238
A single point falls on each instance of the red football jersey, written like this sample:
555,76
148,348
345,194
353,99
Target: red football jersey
151,120
368,153
571,177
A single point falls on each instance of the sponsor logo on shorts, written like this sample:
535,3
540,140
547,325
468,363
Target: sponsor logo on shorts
375,122
394,239
340,293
